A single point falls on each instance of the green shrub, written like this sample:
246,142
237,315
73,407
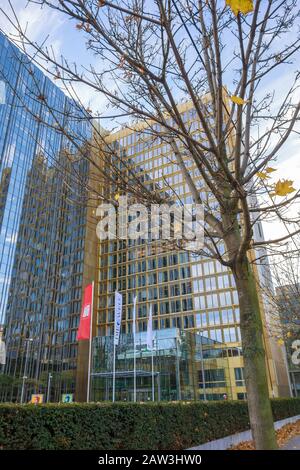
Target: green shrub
108,426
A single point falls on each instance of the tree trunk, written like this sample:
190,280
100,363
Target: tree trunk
260,413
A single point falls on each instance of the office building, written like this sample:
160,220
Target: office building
43,208
186,291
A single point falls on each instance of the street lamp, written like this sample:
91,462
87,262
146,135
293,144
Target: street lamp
50,376
24,378
202,364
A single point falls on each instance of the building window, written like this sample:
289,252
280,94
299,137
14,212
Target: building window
239,376
241,396
214,378
2,92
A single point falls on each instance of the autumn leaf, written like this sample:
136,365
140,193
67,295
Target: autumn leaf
262,175
284,187
240,6
117,197
280,342
269,169
237,100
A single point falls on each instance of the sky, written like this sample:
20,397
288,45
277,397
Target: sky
68,41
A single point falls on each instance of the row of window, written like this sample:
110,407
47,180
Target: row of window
215,378
221,335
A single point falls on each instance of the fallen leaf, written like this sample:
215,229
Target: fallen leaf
283,435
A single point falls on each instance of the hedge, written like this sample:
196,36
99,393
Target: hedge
107,426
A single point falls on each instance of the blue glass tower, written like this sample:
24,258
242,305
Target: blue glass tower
23,88
42,222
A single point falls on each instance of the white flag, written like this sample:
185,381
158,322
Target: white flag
150,331
134,319
2,352
118,316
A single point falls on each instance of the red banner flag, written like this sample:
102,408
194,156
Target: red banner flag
86,312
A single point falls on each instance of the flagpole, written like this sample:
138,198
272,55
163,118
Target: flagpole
114,374
90,347
118,321
134,373
152,367
150,346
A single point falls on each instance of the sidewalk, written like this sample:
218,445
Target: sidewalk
292,444
285,429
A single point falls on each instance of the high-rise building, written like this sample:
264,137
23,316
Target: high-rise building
186,291
43,223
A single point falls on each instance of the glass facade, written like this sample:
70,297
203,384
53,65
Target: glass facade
181,359
43,225
186,291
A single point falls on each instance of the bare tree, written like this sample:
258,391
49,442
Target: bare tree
219,56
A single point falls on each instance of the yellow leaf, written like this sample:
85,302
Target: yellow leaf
280,342
283,188
289,334
117,197
237,100
269,169
262,175
240,6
